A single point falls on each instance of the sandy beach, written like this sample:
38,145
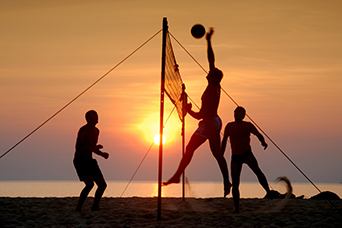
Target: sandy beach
193,212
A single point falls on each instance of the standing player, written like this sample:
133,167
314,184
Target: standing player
239,132
87,168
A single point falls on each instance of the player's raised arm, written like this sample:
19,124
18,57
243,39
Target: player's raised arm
211,57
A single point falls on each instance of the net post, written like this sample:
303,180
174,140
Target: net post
162,91
185,101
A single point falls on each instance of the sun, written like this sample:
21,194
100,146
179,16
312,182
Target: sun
156,139
150,128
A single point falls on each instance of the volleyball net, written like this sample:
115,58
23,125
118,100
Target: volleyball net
174,86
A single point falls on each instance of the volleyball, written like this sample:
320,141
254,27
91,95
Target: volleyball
197,31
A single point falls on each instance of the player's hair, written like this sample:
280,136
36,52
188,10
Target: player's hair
89,113
216,76
242,109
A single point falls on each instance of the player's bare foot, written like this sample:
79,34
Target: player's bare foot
227,189
172,180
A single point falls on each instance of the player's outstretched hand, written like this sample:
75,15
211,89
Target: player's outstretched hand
264,145
105,155
188,107
98,147
210,33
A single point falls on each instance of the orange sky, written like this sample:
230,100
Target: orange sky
281,60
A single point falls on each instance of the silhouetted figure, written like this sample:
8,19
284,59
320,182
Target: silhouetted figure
87,168
239,133
210,124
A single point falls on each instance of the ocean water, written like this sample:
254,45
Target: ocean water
150,189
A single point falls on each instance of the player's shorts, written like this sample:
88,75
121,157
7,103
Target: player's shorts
87,167
209,128
241,158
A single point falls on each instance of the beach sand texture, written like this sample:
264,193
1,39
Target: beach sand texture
193,212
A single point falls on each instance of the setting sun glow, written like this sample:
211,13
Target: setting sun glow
156,139
150,126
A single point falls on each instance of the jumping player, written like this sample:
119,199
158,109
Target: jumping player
210,124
